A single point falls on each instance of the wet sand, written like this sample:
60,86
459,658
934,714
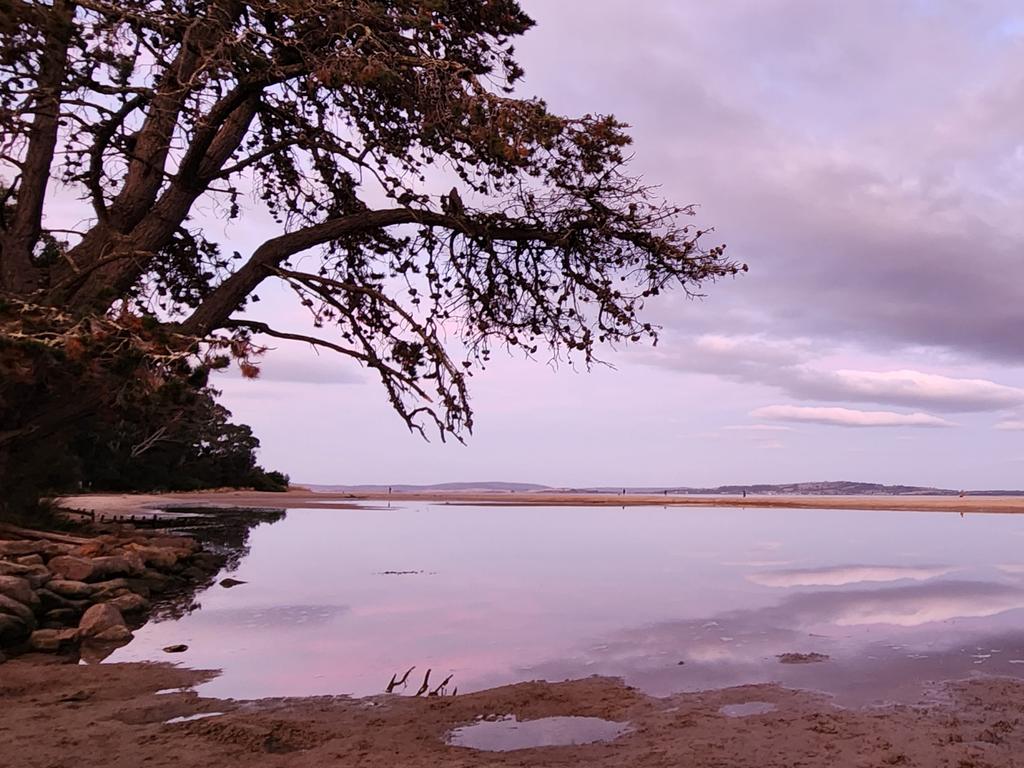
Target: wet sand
111,716
129,504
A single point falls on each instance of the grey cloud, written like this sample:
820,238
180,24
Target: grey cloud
788,367
864,159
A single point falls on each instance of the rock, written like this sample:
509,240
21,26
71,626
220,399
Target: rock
13,630
229,582
156,581
194,574
103,590
180,648
96,569
51,601
119,634
189,545
99,618
137,564
129,603
801,658
21,547
208,561
35,575
29,560
72,568
139,587
112,567
61,617
90,549
161,558
16,608
71,589
50,640
18,589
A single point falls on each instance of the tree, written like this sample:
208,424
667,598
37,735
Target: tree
179,439
337,116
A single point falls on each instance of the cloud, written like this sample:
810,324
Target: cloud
786,365
1011,424
904,387
867,168
847,574
848,417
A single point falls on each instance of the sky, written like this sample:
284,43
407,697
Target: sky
866,160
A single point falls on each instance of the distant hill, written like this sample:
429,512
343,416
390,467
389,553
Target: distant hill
830,488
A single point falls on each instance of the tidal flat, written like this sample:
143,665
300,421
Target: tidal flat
750,635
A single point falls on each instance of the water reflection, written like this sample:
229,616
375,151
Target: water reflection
342,601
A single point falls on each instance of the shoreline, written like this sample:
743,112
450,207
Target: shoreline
147,504
119,716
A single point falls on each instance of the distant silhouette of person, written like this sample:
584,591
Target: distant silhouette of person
744,494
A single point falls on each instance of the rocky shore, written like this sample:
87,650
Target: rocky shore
81,595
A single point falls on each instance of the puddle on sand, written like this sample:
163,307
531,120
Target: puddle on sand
508,733
747,708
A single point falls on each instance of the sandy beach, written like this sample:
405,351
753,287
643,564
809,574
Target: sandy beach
135,504
116,716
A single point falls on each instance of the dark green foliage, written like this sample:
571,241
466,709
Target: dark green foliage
178,441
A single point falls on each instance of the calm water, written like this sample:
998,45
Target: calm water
337,601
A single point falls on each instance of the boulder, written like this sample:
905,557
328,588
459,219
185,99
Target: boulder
35,575
61,617
112,567
228,583
72,568
95,569
51,601
161,558
29,560
13,630
21,547
50,640
18,589
178,648
208,561
100,618
104,590
129,602
119,634
190,546
18,609
90,549
75,590
139,586
156,581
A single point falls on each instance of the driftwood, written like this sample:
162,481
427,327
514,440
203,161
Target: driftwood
426,684
439,691
395,683
27,533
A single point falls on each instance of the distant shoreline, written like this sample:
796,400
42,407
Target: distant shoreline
138,504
